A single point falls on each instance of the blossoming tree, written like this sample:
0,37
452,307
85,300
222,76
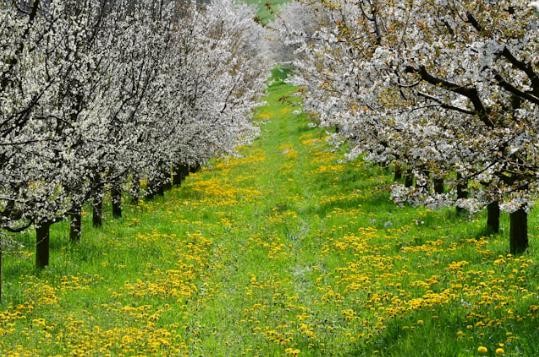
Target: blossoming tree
96,95
447,90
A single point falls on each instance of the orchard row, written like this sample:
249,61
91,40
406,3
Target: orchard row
446,92
99,96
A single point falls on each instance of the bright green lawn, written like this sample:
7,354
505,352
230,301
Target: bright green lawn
284,250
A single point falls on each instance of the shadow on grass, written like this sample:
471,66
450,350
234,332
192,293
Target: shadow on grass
404,336
303,129
375,202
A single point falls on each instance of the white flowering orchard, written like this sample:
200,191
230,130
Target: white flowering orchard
446,91
97,95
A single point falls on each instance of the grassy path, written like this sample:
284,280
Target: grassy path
282,251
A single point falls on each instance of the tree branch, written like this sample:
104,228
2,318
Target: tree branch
445,105
514,90
524,67
469,92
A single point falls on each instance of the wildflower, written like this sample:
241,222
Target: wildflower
482,349
349,314
292,351
499,351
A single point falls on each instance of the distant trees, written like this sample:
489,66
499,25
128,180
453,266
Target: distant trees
294,20
446,92
95,95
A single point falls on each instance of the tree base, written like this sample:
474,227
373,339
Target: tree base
493,218
518,235
42,245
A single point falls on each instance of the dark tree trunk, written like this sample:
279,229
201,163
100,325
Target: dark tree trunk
185,170
167,183
176,176
398,173
135,190
160,188
194,168
518,231
180,172
42,244
97,203
75,226
462,192
438,185
409,179
97,212
150,194
116,195
493,217
153,188
1,262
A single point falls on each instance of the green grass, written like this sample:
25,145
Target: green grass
284,250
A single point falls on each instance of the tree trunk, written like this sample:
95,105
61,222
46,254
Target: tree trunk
185,172
493,217
462,192
1,281
160,188
135,190
153,188
425,186
167,183
177,177
75,226
97,212
438,185
518,231
116,195
97,203
42,244
398,172
150,194
194,168
409,179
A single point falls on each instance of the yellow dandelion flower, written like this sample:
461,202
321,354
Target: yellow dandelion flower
292,351
482,349
499,351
